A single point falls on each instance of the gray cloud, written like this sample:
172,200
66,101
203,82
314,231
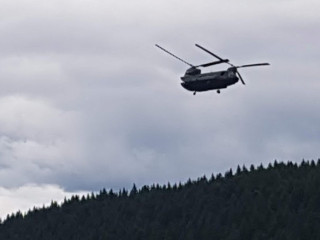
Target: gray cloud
87,101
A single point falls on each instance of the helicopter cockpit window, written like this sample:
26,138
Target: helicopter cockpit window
193,71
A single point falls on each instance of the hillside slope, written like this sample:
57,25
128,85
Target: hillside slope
281,201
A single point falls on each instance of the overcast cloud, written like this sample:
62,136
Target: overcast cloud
87,101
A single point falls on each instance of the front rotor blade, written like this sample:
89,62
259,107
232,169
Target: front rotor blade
253,65
241,78
174,55
213,63
209,52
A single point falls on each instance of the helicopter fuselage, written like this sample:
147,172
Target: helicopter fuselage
198,82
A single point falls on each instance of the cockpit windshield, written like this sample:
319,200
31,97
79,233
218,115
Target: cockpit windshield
193,71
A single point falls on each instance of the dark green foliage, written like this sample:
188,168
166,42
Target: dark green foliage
281,201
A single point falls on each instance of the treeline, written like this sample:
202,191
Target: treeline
280,201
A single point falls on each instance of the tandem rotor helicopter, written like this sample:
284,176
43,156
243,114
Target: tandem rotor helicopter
195,81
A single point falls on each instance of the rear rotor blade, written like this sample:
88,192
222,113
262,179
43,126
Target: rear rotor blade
174,55
253,65
241,78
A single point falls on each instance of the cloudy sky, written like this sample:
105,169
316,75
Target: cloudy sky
87,101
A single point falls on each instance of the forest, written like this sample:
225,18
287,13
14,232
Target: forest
278,201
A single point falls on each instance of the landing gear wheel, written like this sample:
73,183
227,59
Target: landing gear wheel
218,91
194,93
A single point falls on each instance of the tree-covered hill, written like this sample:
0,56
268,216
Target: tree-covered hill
281,201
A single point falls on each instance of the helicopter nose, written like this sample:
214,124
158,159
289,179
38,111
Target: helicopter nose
186,86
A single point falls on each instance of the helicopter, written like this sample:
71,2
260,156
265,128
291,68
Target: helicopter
195,81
